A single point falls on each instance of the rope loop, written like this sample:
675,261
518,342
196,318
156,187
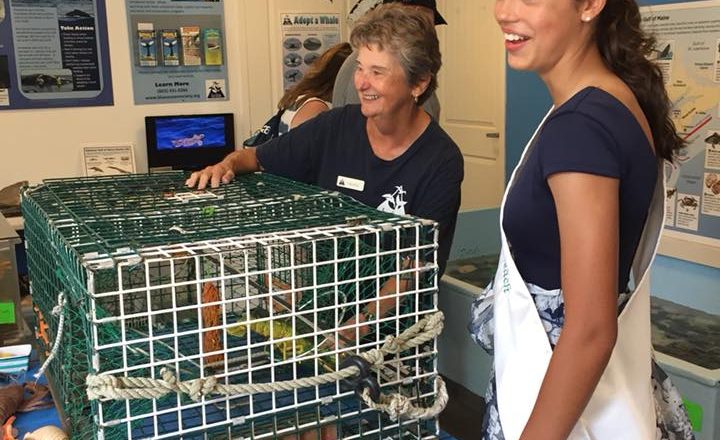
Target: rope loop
397,406
105,387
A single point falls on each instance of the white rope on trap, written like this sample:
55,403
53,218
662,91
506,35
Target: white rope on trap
107,387
59,309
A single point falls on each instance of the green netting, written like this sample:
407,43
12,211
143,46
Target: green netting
133,255
106,214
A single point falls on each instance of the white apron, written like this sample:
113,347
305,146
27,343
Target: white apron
622,405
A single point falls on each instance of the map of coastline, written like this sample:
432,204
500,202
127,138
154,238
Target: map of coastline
688,53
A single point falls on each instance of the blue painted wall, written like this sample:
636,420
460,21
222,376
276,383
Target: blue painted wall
679,281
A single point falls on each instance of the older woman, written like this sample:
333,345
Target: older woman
344,92
386,152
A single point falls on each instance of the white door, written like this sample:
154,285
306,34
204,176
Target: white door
472,97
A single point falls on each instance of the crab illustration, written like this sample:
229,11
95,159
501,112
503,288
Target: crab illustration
688,201
713,139
711,179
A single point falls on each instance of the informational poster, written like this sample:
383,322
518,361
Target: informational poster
178,49
54,53
688,52
108,159
304,38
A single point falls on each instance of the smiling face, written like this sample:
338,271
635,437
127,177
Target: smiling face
381,83
542,34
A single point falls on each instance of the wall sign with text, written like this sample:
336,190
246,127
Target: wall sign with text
178,50
304,38
688,53
54,53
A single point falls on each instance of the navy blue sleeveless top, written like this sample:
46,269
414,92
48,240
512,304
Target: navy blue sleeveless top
591,133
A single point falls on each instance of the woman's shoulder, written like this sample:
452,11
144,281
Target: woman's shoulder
341,115
442,144
348,117
601,108
336,123
438,134
593,132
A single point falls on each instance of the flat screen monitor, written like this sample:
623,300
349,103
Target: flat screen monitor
189,142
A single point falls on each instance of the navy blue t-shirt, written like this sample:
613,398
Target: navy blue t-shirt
332,150
591,133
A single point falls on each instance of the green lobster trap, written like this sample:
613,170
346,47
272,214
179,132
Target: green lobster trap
261,309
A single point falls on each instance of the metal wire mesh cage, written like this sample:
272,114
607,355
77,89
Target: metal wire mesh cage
194,308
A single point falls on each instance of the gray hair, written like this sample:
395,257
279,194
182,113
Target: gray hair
409,36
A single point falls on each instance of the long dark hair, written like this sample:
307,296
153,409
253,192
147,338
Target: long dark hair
320,79
625,49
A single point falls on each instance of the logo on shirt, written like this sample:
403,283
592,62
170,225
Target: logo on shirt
350,183
394,203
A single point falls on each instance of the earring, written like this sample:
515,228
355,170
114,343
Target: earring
415,97
586,18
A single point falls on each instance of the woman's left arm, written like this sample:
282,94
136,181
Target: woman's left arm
588,219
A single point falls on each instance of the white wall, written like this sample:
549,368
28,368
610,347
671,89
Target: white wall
45,143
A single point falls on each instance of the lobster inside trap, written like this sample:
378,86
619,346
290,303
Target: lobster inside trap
258,283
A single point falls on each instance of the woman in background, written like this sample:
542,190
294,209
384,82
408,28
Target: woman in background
584,207
313,94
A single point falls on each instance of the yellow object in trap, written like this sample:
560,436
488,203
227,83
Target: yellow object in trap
281,329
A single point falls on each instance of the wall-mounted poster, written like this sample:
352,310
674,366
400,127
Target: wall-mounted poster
178,49
688,53
304,38
54,53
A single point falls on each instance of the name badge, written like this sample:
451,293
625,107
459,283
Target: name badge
350,183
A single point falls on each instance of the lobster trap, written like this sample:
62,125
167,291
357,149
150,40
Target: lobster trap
261,309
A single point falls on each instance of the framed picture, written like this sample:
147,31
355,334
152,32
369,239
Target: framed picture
108,159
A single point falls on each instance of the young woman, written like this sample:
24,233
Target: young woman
570,326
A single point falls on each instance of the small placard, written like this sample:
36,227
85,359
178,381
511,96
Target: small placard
7,313
108,159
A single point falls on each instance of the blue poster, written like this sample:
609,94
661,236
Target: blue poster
178,50
54,53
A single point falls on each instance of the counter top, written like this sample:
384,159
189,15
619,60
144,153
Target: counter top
7,232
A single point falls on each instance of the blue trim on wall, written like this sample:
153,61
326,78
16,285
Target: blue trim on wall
527,102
